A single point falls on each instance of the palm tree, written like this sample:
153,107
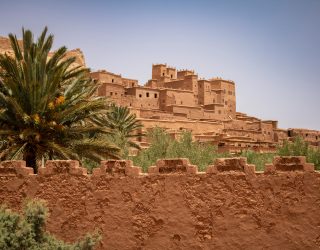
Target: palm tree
125,127
47,108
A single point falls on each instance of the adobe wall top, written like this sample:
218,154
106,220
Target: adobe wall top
106,72
122,168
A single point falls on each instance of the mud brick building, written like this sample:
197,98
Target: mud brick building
179,100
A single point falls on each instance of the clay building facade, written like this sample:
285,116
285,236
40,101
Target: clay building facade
178,100
177,93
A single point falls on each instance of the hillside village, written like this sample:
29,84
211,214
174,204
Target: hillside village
180,100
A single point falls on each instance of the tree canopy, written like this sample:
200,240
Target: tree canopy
48,108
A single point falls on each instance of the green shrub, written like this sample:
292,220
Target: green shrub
258,159
27,231
162,146
300,148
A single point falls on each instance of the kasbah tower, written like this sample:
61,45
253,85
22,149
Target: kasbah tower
179,100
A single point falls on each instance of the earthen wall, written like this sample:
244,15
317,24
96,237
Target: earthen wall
197,127
230,206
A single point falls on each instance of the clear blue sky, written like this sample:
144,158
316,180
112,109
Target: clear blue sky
271,49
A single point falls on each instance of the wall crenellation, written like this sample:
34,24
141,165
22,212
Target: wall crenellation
122,168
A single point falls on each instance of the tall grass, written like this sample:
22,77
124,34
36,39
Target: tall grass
162,146
258,159
301,148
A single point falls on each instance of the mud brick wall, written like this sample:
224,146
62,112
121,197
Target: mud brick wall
230,206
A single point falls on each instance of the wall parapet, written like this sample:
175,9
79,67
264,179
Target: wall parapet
123,168
289,163
14,168
116,168
54,167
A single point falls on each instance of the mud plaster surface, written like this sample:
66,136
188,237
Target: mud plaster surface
179,211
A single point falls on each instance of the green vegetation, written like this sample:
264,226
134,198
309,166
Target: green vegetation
258,159
300,148
125,127
47,107
164,147
27,231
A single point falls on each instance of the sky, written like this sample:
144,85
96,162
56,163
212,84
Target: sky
270,49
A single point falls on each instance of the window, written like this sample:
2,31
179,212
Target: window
140,95
171,76
132,84
115,93
112,80
162,74
111,93
155,96
181,102
147,94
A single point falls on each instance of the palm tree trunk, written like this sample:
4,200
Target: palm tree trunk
30,156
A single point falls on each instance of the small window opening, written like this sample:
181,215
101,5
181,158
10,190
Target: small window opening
112,80
147,94
140,95
155,95
111,93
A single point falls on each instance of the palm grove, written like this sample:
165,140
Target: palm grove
49,110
